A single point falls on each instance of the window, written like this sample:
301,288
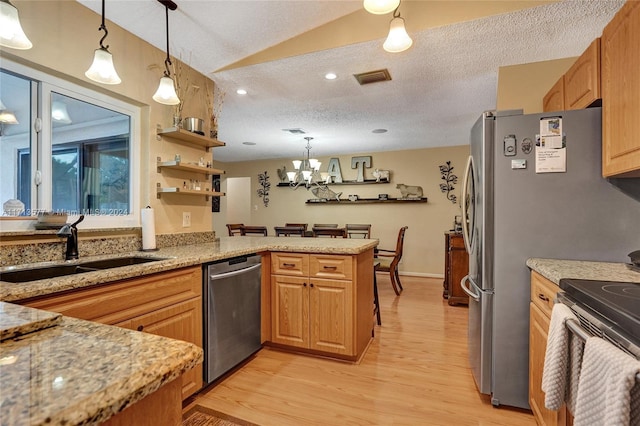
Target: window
82,161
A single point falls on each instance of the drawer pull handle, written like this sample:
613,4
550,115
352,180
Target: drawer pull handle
543,297
304,284
333,268
289,265
140,327
311,285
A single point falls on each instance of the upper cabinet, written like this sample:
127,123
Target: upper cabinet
621,93
579,87
554,99
582,80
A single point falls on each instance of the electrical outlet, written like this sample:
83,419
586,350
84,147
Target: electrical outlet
186,219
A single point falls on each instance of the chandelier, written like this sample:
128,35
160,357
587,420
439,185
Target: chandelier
307,170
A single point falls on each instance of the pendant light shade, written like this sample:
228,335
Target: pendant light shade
166,93
381,7
102,69
11,33
398,40
8,117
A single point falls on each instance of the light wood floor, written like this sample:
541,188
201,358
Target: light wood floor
415,373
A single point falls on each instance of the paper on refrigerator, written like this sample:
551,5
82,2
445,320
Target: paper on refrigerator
551,153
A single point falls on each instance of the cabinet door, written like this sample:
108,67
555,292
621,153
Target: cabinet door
620,45
554,99
458,268
331,320
182,321
582,80
290,311
539,329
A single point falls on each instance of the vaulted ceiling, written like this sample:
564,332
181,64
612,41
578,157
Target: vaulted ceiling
280,50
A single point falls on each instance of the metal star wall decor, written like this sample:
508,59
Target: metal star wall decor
449,179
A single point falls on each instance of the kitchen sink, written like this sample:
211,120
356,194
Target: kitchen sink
26,275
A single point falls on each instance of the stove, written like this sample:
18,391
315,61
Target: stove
608,309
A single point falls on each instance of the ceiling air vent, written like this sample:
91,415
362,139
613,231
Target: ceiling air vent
373,76
295,131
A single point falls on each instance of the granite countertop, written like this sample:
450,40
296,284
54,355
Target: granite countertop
555,269
176,257
81,372
17,320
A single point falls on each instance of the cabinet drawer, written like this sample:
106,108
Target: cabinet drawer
543,292
456,242
330,266
294,264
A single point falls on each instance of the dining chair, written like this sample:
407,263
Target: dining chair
234,229
329,232
389,260
358,230
254,230
325,225
303,225
287,231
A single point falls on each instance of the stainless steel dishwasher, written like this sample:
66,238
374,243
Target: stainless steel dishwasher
231,313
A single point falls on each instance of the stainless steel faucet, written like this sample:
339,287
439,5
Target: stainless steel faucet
71,232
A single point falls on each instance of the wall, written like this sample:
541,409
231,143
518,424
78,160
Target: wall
523,86
424,241
64,35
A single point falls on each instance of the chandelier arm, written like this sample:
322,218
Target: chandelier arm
396,13
103,27
167,61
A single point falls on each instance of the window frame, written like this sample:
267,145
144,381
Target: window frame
41,143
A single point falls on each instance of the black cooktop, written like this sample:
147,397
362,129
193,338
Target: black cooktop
618,302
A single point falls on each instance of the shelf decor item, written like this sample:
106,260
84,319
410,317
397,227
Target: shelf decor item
449,179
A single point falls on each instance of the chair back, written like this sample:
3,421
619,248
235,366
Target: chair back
286,231
400,244
329,232
325,225
254,230
359,230
302,225
234,229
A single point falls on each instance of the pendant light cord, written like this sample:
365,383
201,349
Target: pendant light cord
167,61
103,27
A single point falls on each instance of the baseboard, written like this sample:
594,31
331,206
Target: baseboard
419,274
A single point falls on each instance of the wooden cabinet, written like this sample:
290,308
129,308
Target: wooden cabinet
582,80
456,265
543,292
322,303
579,87
554,99
621,93
168,304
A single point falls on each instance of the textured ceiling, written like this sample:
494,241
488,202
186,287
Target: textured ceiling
438,87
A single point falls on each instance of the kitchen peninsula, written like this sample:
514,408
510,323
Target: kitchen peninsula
105,340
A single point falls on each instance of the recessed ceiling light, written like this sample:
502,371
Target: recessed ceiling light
241,92
330,76
379,131
248,143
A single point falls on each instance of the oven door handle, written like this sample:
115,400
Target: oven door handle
215,277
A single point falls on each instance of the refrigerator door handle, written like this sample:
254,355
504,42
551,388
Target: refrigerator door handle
474,295
468,174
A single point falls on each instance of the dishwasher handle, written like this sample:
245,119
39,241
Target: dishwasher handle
233,273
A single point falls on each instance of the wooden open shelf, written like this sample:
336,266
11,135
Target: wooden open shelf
189,138
177,165
318,201
181,191
345,182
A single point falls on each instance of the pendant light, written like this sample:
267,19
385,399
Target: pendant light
102,69
398,40
11,33
166,93
381,7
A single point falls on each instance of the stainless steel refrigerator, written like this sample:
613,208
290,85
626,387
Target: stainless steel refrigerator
513,213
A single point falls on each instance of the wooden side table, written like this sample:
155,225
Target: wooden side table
456,266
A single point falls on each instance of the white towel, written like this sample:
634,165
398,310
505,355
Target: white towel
576,349
556,360
607,378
